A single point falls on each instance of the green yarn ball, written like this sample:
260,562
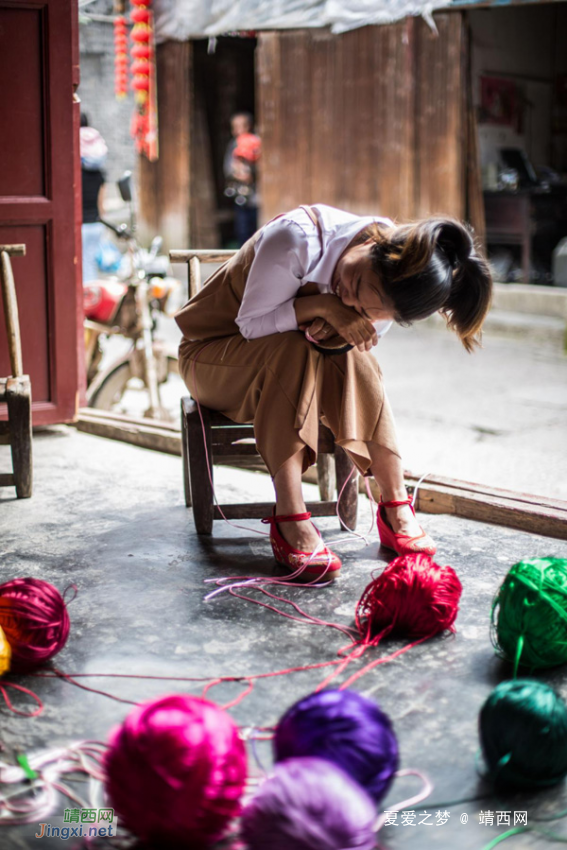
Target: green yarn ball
523,734
529,614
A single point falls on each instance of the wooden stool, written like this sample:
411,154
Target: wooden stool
221,435
16,389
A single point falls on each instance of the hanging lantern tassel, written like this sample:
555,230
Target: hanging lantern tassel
144,123
120,57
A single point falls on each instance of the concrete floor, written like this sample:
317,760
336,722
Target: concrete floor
111,518
497,417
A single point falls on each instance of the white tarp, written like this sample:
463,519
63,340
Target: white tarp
184,19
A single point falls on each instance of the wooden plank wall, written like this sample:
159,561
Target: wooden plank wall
440,117
164,186
372,121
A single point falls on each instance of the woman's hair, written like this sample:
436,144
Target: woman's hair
433,265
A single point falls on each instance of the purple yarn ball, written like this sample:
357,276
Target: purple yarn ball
345,728
309,804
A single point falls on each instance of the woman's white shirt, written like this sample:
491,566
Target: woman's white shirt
289,253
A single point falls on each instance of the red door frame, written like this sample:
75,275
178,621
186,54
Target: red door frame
54,280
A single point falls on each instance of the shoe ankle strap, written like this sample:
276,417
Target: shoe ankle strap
395,503
290,518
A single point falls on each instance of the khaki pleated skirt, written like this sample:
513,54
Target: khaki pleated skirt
280,382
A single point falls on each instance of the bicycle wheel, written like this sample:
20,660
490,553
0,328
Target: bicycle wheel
123,392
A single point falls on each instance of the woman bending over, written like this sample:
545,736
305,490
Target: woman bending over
281,336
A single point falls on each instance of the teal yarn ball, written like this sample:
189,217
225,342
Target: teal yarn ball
529,614
523,734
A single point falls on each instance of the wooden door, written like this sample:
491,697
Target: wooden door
39,194
372,121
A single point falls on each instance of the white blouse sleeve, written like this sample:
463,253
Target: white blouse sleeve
274,279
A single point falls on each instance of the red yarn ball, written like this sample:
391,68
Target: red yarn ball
176,770
414,596
34,618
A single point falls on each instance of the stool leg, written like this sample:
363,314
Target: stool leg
201,487
325,477
348,506
185,456
18,398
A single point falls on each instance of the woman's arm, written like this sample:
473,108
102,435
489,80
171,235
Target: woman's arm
273,282
353,327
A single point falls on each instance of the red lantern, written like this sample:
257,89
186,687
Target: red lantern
140,16
141,51
141,84
144,122
142,66
141,33
120,57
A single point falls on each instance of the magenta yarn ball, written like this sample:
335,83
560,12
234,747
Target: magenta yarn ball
34,618
309,804
175,771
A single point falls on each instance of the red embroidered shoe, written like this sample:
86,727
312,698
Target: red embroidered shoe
401,543
319,565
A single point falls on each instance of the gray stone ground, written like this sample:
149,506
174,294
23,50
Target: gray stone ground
111,518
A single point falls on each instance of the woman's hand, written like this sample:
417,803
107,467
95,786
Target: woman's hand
353,327
318,329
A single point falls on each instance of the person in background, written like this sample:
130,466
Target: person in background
242,154
93,158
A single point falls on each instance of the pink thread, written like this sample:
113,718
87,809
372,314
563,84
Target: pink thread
21,688
60,674
82,757
411,801
306,618
236,700
71,678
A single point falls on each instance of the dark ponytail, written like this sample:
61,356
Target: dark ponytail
433,265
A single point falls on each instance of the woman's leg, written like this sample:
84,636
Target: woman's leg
387,470
358,412
273,382
289,500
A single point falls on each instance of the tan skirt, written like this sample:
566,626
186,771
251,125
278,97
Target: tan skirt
281,383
